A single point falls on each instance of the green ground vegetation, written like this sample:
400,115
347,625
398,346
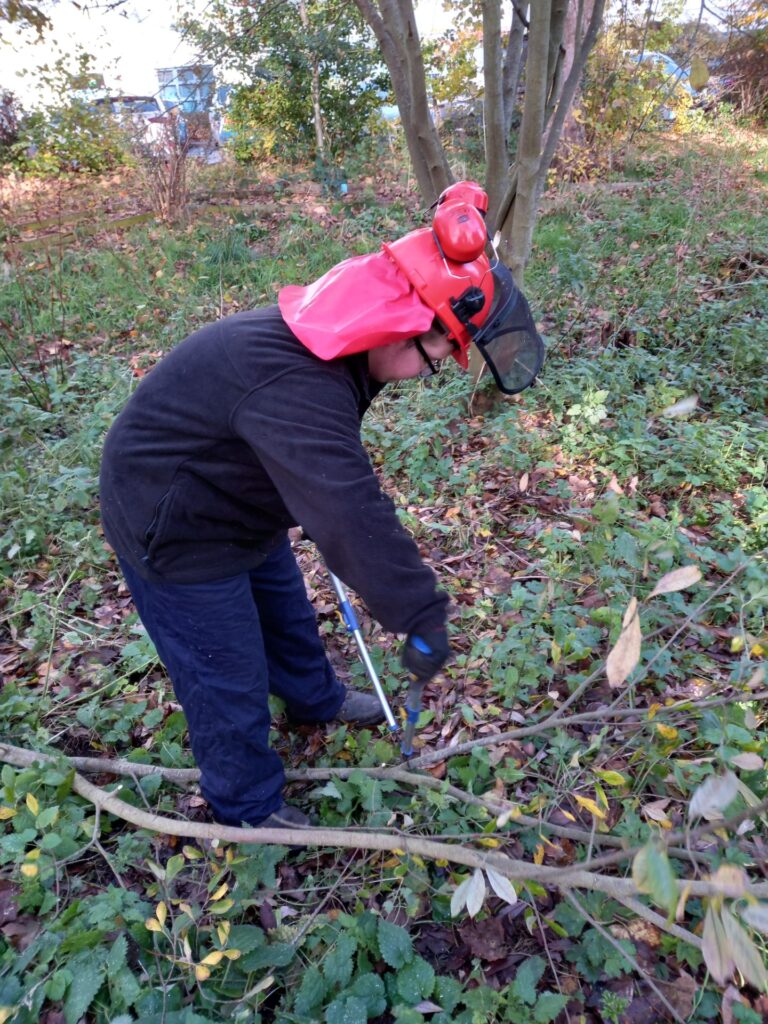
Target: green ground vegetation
641,450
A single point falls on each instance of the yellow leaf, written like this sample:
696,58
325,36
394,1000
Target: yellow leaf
221,907
222,930
441,863
610,778
201,972
730,880
191,852
589,805
667,731
757,650
232,954
6,813
399,853
33,855
625,655
652,710
186,909
33,804
153,925
737,644
490,842
568,815
538,855
29,870
556,652
221,891
213,958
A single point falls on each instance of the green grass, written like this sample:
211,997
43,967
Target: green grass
543,516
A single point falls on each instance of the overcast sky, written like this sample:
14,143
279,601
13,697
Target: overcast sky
130,43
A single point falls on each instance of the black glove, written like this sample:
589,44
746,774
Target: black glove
424,654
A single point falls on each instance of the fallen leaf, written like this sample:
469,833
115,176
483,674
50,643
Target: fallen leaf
676,580
710,799
625,655
749,762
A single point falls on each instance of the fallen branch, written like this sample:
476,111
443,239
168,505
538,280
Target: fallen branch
562,879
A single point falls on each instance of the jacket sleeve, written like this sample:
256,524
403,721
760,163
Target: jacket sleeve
307,437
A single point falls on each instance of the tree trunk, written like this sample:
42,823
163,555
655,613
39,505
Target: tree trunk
496,157
531,136
394,25
513,63
316,109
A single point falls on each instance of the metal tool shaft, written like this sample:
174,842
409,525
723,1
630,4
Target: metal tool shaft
353,626
412,712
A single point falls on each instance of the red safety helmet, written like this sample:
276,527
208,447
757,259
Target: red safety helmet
449,269
467,191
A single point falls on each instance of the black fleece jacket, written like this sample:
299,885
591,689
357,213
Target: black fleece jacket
240,433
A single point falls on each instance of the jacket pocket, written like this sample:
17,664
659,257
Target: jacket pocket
155,533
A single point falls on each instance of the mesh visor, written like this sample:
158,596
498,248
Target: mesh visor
508,340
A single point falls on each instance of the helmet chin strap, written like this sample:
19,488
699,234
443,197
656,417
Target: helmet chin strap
422,352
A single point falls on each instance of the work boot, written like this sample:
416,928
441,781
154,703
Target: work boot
360,709
286,817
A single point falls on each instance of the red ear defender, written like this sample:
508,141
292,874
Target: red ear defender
460,231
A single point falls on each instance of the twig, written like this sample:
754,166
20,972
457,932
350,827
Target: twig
640,910
434,757
627,956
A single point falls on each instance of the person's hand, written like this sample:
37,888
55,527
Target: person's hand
424,654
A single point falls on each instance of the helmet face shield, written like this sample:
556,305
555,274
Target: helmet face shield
508,340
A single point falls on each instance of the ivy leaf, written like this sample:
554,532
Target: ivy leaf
745,954
502,886
716,948
653,874
625,655
676,580
395,944
710,799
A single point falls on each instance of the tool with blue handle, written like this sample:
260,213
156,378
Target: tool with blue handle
353,627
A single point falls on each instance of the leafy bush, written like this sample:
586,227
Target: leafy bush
71,137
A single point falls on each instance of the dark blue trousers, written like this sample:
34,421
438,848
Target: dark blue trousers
226,645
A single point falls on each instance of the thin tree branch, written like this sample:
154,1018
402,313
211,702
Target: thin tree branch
620,949
562,879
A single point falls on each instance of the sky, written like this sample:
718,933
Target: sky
130,43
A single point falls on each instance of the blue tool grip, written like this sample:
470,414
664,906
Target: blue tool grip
350,619
412,714
420,645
